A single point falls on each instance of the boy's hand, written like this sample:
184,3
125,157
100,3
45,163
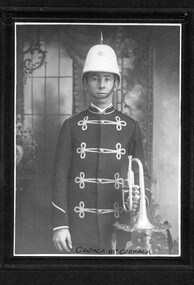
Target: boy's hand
62,240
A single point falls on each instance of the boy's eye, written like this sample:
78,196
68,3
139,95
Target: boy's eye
108,78
94,78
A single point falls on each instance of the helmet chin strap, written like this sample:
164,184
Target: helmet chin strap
107,94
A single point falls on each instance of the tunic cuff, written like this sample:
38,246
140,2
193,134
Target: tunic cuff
62,227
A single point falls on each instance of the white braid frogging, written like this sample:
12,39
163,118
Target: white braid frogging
118,123
119,150
81,180
82,210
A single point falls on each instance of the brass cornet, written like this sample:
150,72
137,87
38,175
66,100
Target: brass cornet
136,192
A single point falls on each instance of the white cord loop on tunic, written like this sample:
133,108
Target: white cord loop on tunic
119,123
119,150
81,180
82,210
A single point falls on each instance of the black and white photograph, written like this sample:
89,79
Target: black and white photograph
97,139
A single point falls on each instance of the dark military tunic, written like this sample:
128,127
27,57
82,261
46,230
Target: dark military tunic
91,164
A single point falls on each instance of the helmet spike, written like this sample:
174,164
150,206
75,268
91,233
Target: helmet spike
101,38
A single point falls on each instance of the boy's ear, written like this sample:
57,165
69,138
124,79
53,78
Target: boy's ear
84,83
116,84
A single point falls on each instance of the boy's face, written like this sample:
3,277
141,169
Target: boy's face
101,83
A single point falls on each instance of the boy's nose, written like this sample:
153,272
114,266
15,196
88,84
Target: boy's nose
101,84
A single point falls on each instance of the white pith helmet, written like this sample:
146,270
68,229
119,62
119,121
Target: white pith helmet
101,58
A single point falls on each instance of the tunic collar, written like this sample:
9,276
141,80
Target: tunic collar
96,110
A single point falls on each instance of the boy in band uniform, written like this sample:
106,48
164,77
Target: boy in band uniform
91,161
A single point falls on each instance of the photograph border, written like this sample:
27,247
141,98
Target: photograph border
108,24
11,263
